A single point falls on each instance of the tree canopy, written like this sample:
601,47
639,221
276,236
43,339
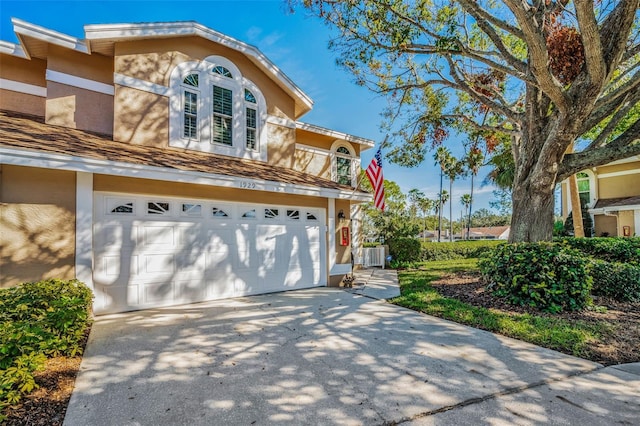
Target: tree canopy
541,74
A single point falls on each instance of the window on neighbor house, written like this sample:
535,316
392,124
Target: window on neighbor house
219,110
584,188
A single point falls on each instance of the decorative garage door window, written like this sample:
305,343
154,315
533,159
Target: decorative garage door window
192,210
249,214
293,214
119,206
312,216
218,212
270,213
159,208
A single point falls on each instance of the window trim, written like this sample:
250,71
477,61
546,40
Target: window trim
206,80
355,160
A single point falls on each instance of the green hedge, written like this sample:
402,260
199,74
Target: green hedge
611,249
39,320
458,249
546,276
404,249
620,281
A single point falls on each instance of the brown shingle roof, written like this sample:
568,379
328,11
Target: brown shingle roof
618,202
29,132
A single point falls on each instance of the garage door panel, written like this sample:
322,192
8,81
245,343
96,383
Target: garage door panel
158,293
190,290
115,235
180,256
162,236
115,298
160,263
116,268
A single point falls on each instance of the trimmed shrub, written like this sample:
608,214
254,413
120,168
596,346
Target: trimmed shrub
458,250
371,245
404,249
39,319
619,281
546,276
611,249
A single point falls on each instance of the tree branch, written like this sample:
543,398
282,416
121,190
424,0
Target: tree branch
590,41
463,86
481,19
624,146
601,139
538,53
608,104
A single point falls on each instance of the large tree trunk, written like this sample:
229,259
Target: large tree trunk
532,218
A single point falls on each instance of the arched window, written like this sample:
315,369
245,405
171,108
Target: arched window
213,108
251,114
190,107
344,164
584,189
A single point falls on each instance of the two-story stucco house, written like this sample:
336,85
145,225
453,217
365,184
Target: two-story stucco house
612,196
165,163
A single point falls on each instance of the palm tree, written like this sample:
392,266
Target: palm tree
442,157
465,199
454,168
473,161
443,198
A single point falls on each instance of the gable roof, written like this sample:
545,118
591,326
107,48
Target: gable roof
101,38
25,133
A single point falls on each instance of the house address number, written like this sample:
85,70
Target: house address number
247,185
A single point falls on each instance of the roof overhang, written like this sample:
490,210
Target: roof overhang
366,143
30,158
101,38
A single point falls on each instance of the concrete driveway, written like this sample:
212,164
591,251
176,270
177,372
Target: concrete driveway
330,357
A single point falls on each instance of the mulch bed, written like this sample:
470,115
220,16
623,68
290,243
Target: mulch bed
47,405
619,347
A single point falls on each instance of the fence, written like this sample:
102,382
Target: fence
373,256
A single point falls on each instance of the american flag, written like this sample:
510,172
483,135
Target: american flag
374,173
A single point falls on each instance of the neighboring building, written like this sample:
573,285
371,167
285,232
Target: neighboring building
612,195
164,163
485,233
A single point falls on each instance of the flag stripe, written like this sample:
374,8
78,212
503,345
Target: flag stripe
374,173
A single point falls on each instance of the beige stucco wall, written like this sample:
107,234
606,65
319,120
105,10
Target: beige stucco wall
625,218
343,253
619,186
94,67
281,145
22,71
77,108
312,163
140,117
605,224
613,168
22,102
37,224
153,60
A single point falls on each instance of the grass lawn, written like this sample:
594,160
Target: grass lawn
551,331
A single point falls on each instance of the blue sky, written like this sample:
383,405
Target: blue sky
296,43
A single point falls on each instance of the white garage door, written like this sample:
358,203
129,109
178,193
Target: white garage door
154,251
